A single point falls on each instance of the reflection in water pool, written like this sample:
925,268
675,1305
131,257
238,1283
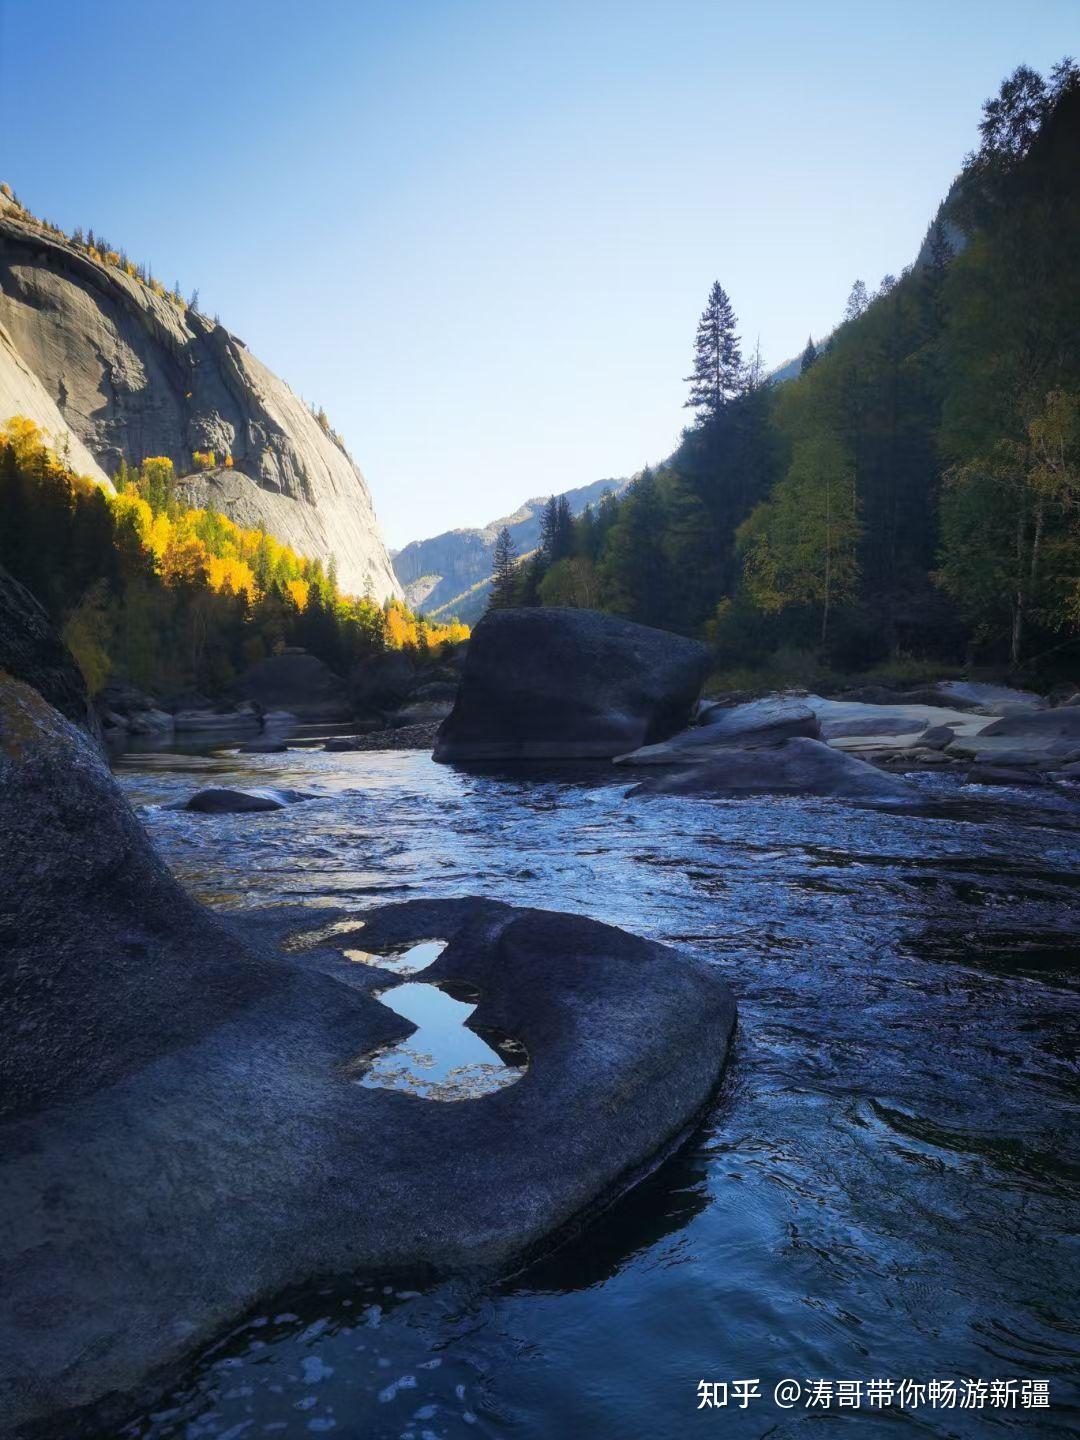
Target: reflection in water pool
442,1059
886,1185
401,962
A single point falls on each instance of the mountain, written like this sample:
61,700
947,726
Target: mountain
450,573
117,369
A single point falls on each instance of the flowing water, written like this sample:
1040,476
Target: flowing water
886,1187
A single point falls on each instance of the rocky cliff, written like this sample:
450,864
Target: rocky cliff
450,574
113,369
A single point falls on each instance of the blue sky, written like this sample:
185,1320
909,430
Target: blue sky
480,232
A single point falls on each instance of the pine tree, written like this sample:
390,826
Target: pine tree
549,524
503,572
857,301
718,365
940,251
809,355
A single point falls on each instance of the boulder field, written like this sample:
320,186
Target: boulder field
564,684
181,1128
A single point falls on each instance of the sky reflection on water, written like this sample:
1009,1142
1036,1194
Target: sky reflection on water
886,1185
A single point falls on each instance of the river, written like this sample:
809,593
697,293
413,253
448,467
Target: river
886,1187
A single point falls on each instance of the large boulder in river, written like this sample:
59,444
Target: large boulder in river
563,684
31,650
298,682
760,722
183,1125
795,767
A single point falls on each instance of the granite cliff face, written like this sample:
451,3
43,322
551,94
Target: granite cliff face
450,574
115,370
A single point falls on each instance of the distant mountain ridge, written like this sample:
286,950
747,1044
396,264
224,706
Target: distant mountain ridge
450,573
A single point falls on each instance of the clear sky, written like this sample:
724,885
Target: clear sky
480,232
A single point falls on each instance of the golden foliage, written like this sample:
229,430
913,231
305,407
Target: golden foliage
205,551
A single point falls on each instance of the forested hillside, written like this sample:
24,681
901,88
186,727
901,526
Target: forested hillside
915,492
169,597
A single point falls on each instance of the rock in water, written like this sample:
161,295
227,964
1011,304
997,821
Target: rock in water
138,375
796,767
1037,726
31,650
181,1131
996,699
298,682
217,800
562,684
760,722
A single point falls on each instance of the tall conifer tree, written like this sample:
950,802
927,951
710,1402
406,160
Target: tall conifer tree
503,571
718,363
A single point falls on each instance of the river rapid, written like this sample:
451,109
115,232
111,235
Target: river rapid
886,1187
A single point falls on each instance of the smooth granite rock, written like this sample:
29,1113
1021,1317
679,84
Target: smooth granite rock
799,766
217,800
298,682
859,726
181,1131
551,683
1062,723
994,699
936,737
762,722
91,353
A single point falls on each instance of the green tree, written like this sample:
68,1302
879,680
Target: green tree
801,548
1011,542
503,572
718,365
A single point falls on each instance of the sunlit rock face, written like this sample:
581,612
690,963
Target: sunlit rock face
197,1112
119,372
563,684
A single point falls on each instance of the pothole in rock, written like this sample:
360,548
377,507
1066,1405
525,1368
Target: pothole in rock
442,1059
401,962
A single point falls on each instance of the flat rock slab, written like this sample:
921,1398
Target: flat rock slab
1060,724
994,699
857,725
562,684
795,767
1045,749
761,722
181,1128
216,800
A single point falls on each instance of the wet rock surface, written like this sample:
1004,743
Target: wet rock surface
798,766
551,683
761,722
182,1127
218,800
